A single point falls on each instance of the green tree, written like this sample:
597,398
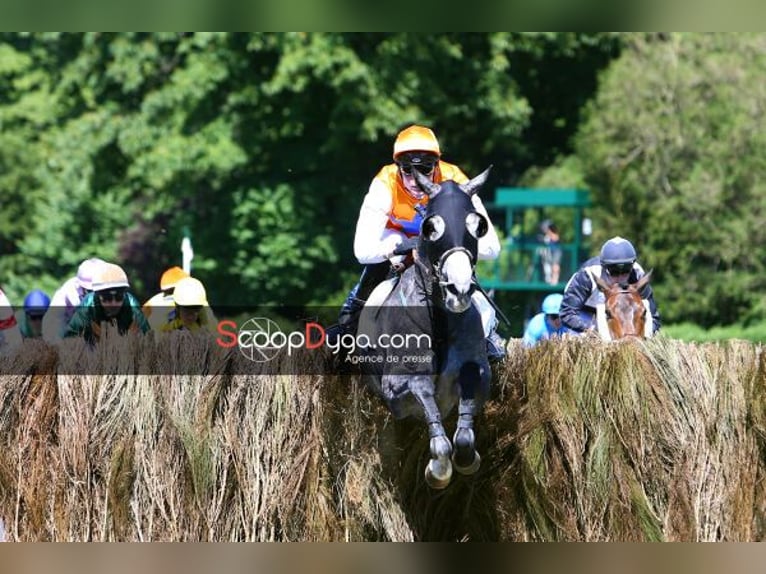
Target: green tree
675,155
263,145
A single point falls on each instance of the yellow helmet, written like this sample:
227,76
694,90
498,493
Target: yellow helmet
109,276
189,292
172,276
416,138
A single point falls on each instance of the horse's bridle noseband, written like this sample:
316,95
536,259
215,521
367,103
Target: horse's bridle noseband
448,285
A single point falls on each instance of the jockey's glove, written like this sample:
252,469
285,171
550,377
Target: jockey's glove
406,246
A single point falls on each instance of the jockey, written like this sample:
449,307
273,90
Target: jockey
67,298
10,336
164,299
192,311
36,303
615,264
109,302
389,220
547,324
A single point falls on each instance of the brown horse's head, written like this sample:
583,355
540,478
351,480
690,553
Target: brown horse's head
626,314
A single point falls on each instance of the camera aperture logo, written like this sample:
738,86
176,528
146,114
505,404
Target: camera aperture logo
261,339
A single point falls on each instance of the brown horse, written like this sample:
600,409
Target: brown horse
625,313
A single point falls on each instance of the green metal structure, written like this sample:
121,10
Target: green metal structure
524,262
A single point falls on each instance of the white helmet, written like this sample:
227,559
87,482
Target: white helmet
109,276
86,271
190,292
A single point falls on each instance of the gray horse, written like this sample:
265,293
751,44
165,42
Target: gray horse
425,348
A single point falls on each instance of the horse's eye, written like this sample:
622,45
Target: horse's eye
433,228
476,224
608,313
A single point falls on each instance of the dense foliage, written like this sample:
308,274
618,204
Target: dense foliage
262,146
675,156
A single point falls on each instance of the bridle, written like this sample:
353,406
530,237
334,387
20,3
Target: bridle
438,276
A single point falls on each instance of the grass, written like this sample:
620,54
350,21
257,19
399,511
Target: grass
691,332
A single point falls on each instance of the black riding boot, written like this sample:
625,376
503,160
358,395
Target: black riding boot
371,277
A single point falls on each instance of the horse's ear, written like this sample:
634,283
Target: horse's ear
429,187
602,285
475,184
641,283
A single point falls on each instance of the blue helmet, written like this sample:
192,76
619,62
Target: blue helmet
617,250
36,302
552,304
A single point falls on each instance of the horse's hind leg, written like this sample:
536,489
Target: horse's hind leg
439,469
465,458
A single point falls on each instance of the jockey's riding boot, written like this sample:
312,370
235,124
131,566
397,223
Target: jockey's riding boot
495,346
348,319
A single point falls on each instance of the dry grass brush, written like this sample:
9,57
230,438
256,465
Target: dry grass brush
28,411
639,441
581,440
108,452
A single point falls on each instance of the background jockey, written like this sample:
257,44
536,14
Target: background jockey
547,324
616,263
389,217
192,311
36,303
67,298
164,299
10,336
109,302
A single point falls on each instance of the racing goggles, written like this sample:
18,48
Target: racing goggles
618,268
424,168
116,295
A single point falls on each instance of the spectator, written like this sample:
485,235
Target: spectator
551,253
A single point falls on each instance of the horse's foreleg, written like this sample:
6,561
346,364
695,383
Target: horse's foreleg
471,380
439,469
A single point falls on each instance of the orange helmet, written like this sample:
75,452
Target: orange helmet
172,276
416,138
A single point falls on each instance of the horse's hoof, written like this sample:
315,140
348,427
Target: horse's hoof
471,468
438,482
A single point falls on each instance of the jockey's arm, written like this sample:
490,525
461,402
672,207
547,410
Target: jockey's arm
373,242
489,245
576,293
